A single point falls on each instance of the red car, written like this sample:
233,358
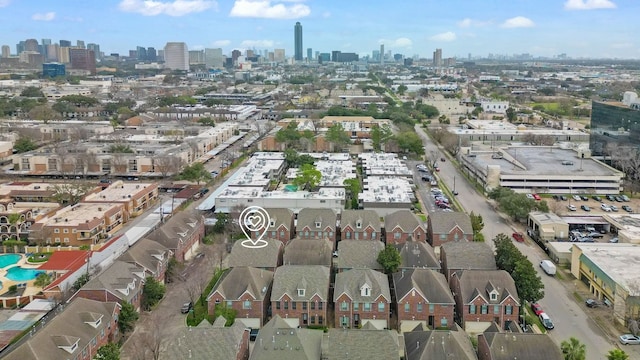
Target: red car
519,237
537,309
536,197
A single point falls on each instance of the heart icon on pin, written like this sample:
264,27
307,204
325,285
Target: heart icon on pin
254,219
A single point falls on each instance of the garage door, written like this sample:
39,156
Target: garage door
294,323
378,324
476,327
253,323
408,325
191,252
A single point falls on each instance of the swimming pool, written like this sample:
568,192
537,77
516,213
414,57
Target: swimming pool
9,259
20,274
290,188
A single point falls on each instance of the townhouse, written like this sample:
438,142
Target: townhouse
360,225
300,294
402,226
120,282
182,234
448,226
362,296
317,224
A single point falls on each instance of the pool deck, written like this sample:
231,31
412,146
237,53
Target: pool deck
6,282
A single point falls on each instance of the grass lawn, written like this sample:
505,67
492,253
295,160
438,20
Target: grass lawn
200,310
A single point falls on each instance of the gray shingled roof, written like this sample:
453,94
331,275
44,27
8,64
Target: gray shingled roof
417,254
360,344
522,346
182,222
351,281
200,342
439,345
146,253
279,341
314,279
266,257
239,280
68,326
280,216
368,217
468,255
406,219
308,252
308,217
359,254
474,282
430,283
443,222
117,278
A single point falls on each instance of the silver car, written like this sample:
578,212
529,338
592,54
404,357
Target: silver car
629,339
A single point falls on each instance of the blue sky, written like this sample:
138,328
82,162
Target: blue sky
579,28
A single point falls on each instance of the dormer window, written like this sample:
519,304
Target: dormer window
365,290
359,224
300,292
272,223
318,224
494,296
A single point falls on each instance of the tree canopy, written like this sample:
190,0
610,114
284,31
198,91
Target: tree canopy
308,177
380,135
32,91
337,136
617,354
516,205
24,144
110,351
152,292
389,259
195,172
128,317
573,349
511,260
410,142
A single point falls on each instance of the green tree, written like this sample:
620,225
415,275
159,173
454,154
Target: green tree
288,135
80,281
337,136
228,313
353,187
110,351
617,354
120,149
477,224
32,91
43,112
206,121
308,177
409,142
70,193
42,280
222,221
195,172
527,281
573,349
402,89
511,114
389,259
152,293
380,135
127,318
24,144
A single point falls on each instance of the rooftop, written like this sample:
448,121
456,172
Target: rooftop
615,260
386,189
81,213
119,191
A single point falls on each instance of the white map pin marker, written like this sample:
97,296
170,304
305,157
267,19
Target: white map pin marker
254,219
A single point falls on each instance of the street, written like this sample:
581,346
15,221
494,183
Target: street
569,317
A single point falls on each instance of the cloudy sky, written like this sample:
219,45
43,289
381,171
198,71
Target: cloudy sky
579,28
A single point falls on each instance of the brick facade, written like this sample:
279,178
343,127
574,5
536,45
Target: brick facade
257,310
456,234
314,233
398,236
282,233
367,233
315,310
413,307
107,296
357,314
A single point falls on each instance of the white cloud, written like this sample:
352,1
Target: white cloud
518,22
445,36
589,4
171,8
4,3
467,23
269,9
44,16
257,43
221,43
397,43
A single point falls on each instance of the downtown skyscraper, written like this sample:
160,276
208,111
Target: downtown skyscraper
298,42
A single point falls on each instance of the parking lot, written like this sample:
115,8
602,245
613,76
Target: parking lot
427,184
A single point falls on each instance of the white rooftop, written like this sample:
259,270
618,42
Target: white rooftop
256,173
386,189
616,261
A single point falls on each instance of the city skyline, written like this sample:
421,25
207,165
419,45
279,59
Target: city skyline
579,28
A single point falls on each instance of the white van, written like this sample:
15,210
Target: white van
548,267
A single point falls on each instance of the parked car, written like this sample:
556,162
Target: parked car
605,207
613,208
619,199
584,198
537,309
253,334
576,198
536,197
627,208
443,159
591,303
571,207
186,307
596,198
586,239
585,208
530,196
518,236
595,235
629,339
611,198
625,198
614,240
433,182
563,198
436,168
546,321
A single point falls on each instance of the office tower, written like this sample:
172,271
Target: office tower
161,55
278,55
52,52
334,55
96,50
141,53
381,53
6,51
196,57
43,47
53,69
19,47
235,54
437,58
176,56
317,55
65,43
309,54
375,55
82,59
250,53
31,45
298,41
609,121
63,54
151,54
80,44
324,57
213,58
133,54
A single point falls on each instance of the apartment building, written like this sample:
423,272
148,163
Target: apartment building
136,197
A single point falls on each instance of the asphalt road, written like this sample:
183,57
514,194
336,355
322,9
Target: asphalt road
569,317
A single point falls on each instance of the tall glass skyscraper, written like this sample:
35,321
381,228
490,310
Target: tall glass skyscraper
614,126
298,41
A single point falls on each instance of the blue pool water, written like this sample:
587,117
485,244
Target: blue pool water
290,188
19,274
8,259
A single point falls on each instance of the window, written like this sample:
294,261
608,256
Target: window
66,231
272,223
313,306
313,319
508,310
229,304
356,306
246,305
318,224
494,296
348,234
484,309
66,240
472,309
273,234
496,309
443,322
344,306
319,306
373,235
293,305
277,305
281,234
380,307
359,224
320,319
304,305
443,236
344,321
419,307
300,292
366,306
396,235
304,319
407,307
286,305
432,308
57,231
